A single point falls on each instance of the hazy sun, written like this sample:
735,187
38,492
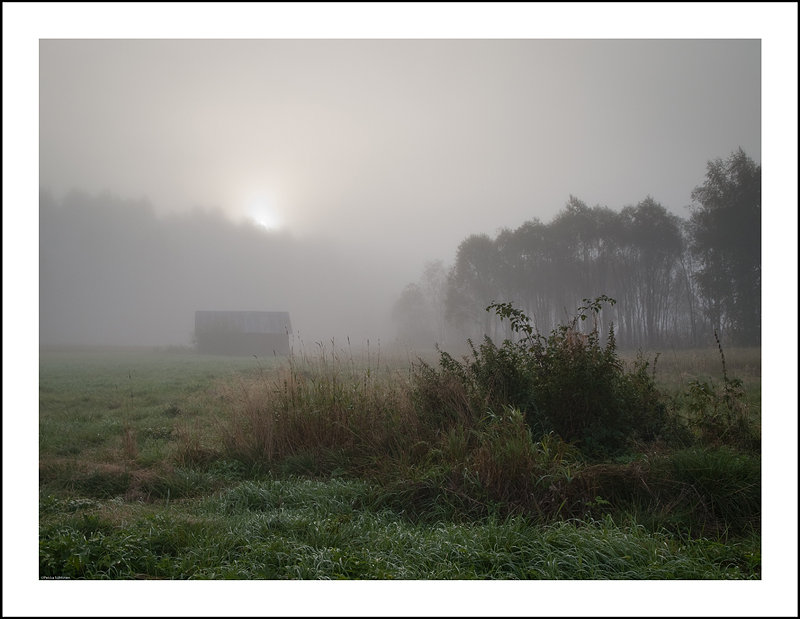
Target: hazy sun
263,212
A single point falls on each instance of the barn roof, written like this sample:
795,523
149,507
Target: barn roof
246,322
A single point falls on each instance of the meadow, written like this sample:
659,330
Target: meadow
335,464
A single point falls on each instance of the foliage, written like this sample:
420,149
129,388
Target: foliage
725,239
419,312
328,468
674,279
413,316
569,383
722,416
635,254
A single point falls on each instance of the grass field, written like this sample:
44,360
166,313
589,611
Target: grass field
147,470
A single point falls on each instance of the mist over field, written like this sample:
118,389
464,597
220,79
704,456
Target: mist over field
321,177
381,173
113,272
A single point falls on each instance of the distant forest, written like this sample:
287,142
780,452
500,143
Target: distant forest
111,271
675,280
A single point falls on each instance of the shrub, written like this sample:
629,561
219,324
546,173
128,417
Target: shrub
568,383
721,416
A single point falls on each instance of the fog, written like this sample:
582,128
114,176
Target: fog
375,138
399,145
112,271
318,176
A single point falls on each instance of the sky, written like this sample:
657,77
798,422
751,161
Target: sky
393,150
397,131
407,146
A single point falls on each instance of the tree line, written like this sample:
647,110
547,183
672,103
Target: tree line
675,280
113,271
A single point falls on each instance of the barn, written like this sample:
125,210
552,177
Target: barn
264,334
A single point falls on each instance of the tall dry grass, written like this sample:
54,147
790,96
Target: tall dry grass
325,408
440,447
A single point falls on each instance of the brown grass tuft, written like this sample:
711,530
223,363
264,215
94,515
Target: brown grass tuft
130,444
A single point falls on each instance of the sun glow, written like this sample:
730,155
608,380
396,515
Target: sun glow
262,210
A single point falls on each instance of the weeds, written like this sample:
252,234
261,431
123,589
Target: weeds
722,416
130,446
568,383
308,412
329,467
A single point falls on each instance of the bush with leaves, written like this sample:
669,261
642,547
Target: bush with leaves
722,416
568,383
